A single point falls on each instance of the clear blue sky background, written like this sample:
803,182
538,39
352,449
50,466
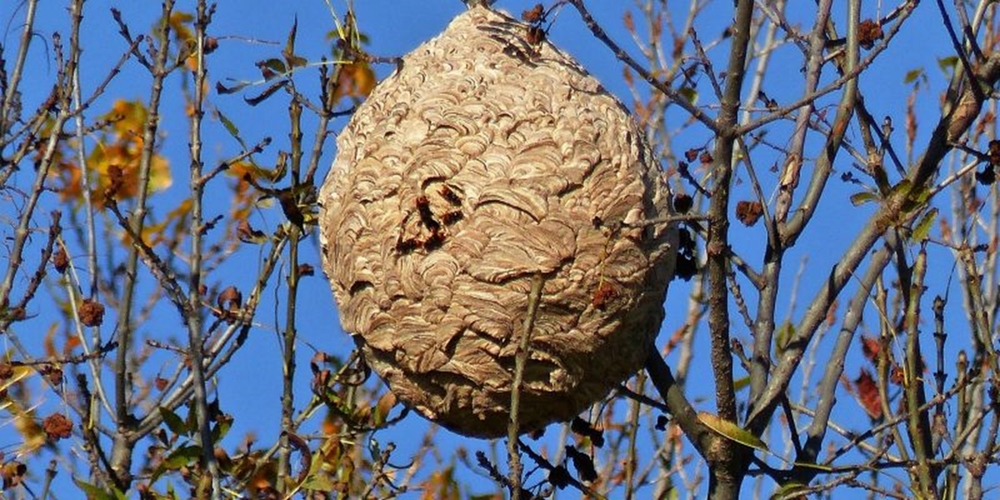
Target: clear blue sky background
250,387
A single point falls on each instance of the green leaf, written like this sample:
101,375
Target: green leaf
178,458
807,465
319,482
732,432
95,493
174,422
231,128
863,197
947,63
191,422
222,428
913,74
789,490
916,199
920,195
276,65
903,186
785,333
741,383
923,228
689,94
183,456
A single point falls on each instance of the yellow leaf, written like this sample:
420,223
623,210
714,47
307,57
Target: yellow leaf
68,177
175,223
356,80
32,434
19,373
128,118
124,151
179,23
160,177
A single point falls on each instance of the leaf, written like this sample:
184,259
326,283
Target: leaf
689,94
231,128
268,92
318,482
127,117
280,167
867,394
174,422
912,75
225,422
923,228
179,22
807,465
19,372
33,437
870,347
947,63
96,493
13,474
247,234
789,490
176,459
117,155
179,458
355,79
902,186
916,198
177,221
170,491
731,431
741,383
295,61
239,85
583,463
920,195
383,407
50,341
272,67
858,199
785,333
288,52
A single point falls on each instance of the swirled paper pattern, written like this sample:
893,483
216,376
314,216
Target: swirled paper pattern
483,161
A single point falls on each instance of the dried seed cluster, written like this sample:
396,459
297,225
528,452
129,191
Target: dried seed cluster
465,174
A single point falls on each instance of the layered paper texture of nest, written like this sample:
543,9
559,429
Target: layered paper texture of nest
483,161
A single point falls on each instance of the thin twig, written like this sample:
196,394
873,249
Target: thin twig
520,360
622,56
123,443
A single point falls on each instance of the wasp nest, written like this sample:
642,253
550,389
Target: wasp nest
484,161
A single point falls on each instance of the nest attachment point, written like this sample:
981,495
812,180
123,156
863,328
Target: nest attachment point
485,160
